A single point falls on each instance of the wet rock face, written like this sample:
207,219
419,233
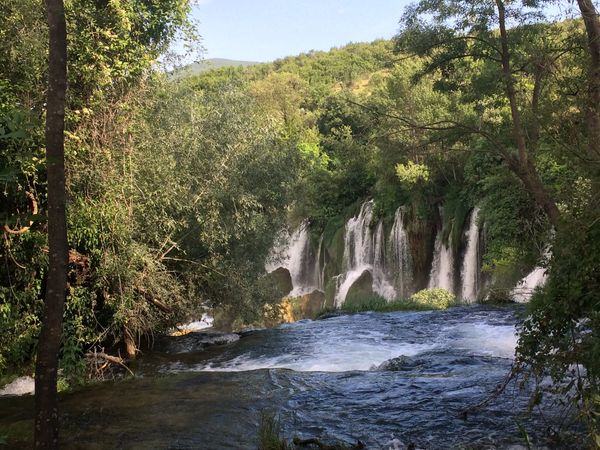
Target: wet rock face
398,364
310,305
362,288
193,342
248,331
282,278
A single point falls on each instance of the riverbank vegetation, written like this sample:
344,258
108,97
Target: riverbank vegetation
177,188
425,300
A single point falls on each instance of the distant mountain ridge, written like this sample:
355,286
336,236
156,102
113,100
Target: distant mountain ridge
209,64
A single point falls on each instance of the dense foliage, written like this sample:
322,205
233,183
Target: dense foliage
175,193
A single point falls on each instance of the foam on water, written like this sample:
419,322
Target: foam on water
361,341
483,339
206,321
351,356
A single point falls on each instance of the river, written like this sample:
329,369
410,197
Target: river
388,379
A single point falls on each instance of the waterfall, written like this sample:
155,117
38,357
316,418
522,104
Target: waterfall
470,266
381,285
319,267
296,255
358,239
400,254
363,250
442,267
523,291
378,251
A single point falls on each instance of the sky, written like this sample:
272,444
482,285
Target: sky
264,30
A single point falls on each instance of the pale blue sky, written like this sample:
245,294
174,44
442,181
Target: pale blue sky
264,30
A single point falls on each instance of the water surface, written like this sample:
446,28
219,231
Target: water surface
382,378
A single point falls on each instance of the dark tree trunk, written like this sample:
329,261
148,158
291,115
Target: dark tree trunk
592,27
524,168
46,399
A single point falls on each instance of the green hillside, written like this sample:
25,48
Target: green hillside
210,64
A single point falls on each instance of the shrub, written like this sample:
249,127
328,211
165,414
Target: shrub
435,298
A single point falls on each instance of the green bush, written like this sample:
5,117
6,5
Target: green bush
436,298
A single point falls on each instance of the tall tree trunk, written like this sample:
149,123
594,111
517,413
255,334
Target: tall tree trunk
46,398
525,169
592,27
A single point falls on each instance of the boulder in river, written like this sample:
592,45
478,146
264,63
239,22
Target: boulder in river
399,363
309,305
361,289
282,279
194,342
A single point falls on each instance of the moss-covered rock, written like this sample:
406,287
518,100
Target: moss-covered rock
335,252
361,289
282,279
307,306
330,293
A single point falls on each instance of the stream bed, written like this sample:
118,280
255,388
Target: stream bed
388,379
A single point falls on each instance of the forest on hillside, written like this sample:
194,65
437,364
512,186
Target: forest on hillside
178,188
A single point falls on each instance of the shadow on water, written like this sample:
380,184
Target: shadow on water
179,411
374,377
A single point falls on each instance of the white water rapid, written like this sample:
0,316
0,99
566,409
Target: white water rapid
363,342
20,386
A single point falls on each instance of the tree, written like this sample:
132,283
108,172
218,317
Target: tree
592,27
465,38
46,398
113,49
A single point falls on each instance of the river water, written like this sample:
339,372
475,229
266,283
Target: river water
388,379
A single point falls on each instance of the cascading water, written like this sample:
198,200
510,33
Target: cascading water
470,266
381,283
524,289
387,261
363,251
400,254
442,267
297,256
319,267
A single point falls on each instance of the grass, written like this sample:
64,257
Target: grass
270,437
270,434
